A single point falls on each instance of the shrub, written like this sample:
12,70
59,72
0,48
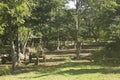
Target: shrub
109,54
98,56
5,71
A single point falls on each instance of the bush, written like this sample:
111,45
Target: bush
98,56
113,50
51,46
5,71
109,54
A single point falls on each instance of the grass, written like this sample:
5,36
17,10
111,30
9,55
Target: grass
65,71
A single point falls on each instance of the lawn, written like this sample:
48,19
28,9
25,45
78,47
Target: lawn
67,70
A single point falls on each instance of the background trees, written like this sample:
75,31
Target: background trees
96,17
54,23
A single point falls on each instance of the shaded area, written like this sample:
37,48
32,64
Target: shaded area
60,64
72,68
89,71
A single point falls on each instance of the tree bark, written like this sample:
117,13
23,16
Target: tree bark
18,46
14,55
26,41
37,60
77,28
58,39
58,30
12,45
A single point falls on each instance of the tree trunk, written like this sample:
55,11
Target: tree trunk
58,30
77,29
25,43
18,46
14,55
37,60
12,45
58,39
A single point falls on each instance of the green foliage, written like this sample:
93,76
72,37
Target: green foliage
109,54
13,15
51,46
98,56
40,49
99,21
1,30
24,34
17,10
5,71
96,18
115,28
113,49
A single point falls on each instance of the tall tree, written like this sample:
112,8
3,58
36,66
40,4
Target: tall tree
14,13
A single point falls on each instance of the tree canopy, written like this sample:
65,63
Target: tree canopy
54,23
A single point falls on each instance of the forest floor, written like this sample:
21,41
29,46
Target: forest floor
62,67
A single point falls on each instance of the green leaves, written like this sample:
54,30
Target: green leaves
109,5
1,30
96,18
115,28
17,10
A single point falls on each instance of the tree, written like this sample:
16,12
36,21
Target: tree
47,17
14,13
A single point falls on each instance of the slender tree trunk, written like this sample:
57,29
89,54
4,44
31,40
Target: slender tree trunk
37,60
58,39
26,41
14,54
18,46
58,30
12,45
77,29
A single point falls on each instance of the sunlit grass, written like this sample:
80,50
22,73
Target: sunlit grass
66,71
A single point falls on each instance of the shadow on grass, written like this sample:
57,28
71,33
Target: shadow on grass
71,68
48,69
89,71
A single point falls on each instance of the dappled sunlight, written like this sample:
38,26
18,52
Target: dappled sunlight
65,71
59,39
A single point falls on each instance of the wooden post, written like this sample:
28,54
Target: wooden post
37,60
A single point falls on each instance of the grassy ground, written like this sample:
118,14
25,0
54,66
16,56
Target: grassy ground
67,70
61,67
